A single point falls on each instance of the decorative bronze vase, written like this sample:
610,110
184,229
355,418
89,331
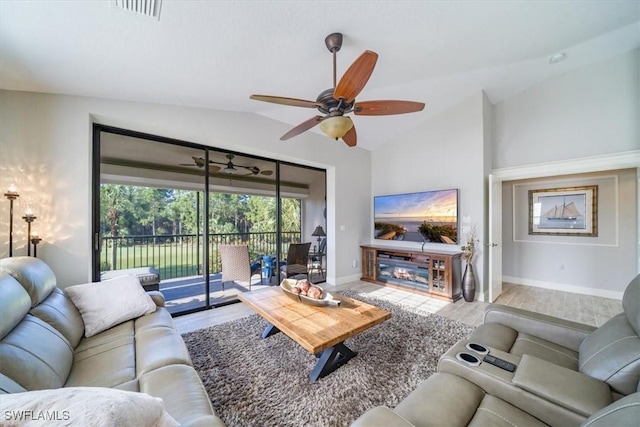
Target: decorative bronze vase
468,284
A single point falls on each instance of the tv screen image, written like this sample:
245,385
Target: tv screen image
428,216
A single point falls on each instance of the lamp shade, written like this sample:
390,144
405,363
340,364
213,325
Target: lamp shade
318,232
336,127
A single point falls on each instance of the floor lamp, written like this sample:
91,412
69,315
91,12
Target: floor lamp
35,239
29,217
11,194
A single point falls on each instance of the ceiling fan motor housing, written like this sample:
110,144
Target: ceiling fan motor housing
332,106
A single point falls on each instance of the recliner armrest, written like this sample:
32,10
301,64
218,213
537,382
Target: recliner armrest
570,389
381,416
558,331
157,298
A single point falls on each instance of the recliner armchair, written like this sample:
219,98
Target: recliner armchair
566,374
610,353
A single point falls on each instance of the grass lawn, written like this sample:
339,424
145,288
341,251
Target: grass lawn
173,260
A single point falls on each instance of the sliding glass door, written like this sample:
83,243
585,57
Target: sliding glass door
165,207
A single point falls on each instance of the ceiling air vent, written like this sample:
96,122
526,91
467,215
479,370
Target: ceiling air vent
143,7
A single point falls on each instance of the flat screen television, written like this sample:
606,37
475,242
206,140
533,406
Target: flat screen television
427,216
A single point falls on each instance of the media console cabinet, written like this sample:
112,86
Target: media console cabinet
435,274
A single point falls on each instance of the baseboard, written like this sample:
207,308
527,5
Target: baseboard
346,279
564,287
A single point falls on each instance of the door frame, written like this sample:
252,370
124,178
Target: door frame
95,196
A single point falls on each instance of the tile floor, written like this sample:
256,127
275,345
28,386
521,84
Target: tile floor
577,307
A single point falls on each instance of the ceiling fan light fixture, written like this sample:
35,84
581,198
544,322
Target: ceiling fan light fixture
230,170
337,126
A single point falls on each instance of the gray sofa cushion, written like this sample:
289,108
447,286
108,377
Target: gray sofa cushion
622,413
14,303
58,311
631,304
612,354
34,275
35,355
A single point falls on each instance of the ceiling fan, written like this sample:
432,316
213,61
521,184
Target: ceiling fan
340,100
230,168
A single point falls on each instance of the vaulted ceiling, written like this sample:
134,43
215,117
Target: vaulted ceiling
214,54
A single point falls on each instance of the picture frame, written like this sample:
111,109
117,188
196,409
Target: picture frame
566,211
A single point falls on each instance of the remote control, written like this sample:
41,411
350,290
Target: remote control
502,364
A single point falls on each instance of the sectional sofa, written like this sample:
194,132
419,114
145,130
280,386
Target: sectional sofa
43,346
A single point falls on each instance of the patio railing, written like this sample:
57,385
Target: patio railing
180,255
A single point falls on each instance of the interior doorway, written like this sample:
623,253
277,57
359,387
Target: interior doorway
575,166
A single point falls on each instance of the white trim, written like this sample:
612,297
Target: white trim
616,242
564,287
627,159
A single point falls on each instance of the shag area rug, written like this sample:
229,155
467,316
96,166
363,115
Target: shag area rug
264,382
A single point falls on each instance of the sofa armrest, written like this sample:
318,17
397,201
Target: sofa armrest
157,298
381,416
570,389
558,331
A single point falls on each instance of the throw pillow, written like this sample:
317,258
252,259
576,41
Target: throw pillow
83,406
109,303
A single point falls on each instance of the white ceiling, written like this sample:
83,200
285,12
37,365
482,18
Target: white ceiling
214,54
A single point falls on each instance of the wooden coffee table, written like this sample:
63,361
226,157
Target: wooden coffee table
319,330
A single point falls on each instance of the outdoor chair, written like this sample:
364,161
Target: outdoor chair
236,266
316,259
297,260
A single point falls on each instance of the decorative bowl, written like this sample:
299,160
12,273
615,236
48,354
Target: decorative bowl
325,301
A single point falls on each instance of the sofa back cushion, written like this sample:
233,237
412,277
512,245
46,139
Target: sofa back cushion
612,354
14,303
33,274
35,355
58,311
7,385
631,303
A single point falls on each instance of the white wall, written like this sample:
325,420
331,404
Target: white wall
45,148
590,111
602,265
445,152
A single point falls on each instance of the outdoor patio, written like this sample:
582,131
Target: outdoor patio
187,293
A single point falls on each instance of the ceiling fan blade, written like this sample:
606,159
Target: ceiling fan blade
351,138
266,173
356,77
386,108
306,125
214,169
286,101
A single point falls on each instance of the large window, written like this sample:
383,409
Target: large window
157,206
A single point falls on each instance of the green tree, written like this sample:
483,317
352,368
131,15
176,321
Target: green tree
290,209
115,202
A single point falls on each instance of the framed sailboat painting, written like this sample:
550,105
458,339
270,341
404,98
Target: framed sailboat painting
569,211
